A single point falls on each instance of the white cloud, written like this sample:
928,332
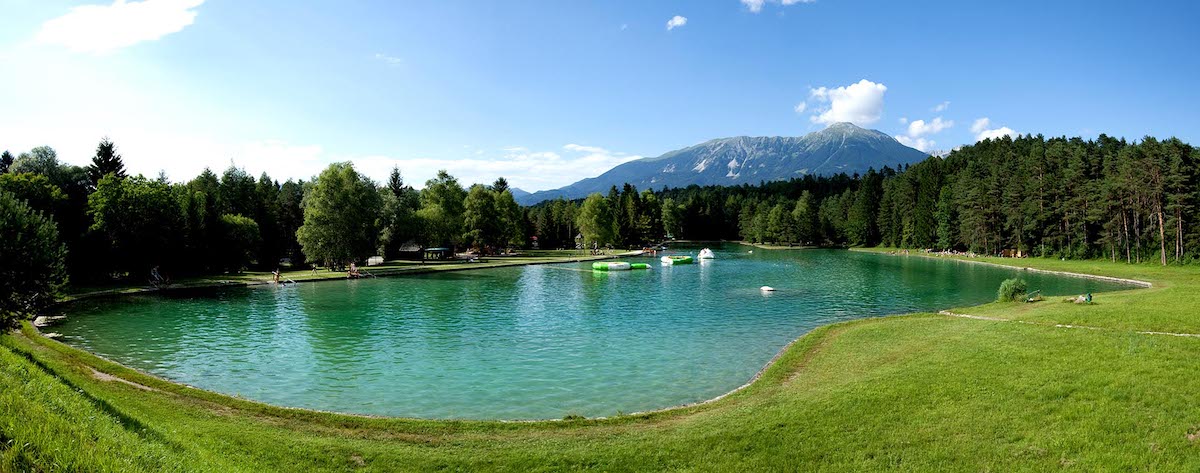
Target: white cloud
103,28
941,107
531,171
903,120
756,6
982,128
980,124
923,144
389,60
860,103
920,127
916,136
584,149
676,22
801,107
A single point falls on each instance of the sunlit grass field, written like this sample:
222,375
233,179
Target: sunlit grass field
915,392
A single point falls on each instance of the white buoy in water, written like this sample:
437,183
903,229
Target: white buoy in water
767,289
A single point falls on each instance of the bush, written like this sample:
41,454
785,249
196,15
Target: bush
1012,290
31,260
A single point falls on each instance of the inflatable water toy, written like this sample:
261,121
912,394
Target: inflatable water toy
611,266
677,259
707,254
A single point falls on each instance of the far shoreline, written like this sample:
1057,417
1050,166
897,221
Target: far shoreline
324,275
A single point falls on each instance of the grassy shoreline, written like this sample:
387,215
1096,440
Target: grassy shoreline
765,246
992,261
908,392
387,269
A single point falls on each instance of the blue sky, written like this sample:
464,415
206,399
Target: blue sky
546,93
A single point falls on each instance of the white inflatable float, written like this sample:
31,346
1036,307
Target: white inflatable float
611,266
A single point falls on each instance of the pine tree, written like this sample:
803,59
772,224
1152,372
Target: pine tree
105,162
6,160
805,216
947,236
396,182
237,192
1180,189
500,185
266,215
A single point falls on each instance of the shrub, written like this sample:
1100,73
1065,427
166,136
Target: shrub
1012,290
31,260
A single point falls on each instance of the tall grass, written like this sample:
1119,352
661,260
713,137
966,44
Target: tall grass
1012,290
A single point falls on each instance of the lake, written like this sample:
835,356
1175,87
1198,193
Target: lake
531,342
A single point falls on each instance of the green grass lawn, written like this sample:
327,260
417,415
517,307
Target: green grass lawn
917,392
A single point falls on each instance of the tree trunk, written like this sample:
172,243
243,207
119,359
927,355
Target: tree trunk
1067,230
1162,238
1137,237
1125,224
1178,235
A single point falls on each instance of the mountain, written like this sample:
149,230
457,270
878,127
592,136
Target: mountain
842,147
518,194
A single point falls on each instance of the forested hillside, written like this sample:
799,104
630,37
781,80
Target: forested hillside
1061,197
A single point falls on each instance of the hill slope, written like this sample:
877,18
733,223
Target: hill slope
842,147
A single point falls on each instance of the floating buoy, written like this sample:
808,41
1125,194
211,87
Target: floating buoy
767,289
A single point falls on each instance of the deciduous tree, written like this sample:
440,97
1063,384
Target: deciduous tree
340,211
32,271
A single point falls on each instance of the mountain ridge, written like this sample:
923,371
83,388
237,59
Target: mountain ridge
737,160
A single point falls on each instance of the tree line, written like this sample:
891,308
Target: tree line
113,225
1029,195
1024,196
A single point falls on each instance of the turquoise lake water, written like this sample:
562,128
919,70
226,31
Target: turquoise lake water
530,342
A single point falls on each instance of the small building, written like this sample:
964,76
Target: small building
438,253
410,250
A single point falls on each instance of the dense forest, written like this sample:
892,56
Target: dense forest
1035,196
1028,196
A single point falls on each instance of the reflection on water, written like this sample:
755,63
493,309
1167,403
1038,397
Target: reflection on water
530,342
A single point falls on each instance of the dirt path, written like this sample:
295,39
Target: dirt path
1083,327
